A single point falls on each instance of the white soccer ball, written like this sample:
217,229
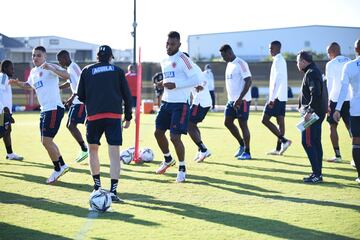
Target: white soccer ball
100,200
127,155
146,155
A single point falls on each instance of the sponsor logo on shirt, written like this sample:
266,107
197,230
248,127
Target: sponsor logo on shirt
102,69
38,84
170,74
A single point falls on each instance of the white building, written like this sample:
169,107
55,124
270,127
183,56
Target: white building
253,45
19,49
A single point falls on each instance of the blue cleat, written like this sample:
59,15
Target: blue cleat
244,156
239,151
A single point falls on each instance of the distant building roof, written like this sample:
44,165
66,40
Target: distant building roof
8,42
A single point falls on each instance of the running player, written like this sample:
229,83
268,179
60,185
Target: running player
159,90
77,111
278,90
180,77
7,71
44,78
351,77
333,75
238,83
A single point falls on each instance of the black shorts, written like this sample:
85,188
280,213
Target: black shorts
345,112
355,126
50,122
111,127
198,113
278,109
77,114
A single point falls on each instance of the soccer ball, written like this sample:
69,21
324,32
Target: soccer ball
146,155
100,200
127,155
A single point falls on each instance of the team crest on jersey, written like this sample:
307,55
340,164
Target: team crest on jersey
174,64
40,74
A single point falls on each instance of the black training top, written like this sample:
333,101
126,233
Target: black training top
103,88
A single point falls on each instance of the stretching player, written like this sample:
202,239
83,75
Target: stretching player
351,77
180,77
77,111
44,78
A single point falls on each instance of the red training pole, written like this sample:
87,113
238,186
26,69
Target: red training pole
137,111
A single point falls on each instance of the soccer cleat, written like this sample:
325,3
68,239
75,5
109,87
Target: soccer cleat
244,156
57,174
82,156
334,160
197,156
14,156
239,151
313,179
202,156
180,176
284,146
115,198
164,165
357,180
274,152
352,163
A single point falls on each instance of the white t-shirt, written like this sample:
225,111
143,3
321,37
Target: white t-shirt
236,72
350,77
180,70
333,75
278,84
74,72
5,92
210,79
46,85
202,97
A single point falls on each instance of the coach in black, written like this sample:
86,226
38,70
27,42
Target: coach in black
313,99
103,88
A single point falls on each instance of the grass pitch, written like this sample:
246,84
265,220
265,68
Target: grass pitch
223,198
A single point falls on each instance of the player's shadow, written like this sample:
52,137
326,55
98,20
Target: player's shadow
8,198
9,231
274,228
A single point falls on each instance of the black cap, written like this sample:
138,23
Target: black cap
105,50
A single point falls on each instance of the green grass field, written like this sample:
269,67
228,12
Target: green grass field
223,198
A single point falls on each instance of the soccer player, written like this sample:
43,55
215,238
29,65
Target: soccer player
103,88
333,75
238,83
44,78
77,113
278,90
159,90
131,77
180,77
351,77
313,99
201,103
210,83
5,120
7,71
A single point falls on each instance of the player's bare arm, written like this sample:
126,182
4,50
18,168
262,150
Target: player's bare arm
56,69
17,82
243,93
169,85
64,85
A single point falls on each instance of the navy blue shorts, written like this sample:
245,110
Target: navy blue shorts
198,113
355,126
277,109
111,127
173,116
77,114
345,112
241,113
50,122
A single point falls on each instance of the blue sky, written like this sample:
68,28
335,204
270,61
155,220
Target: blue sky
110,21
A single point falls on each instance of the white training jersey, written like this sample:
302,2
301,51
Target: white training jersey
210,79
46,85
74,72
333,75
180,70
235,73
5,92
350,77
203,97
278,84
